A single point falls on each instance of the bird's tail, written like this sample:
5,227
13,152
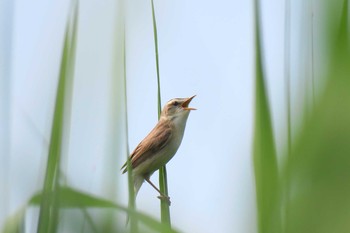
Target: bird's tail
138,181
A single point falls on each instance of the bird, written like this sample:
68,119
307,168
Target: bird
160,145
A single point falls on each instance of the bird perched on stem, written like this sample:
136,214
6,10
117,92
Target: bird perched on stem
161,144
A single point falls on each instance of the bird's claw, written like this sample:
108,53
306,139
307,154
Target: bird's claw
165,198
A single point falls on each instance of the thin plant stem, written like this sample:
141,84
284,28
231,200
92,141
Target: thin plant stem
312,53
50,203
288,104
165,210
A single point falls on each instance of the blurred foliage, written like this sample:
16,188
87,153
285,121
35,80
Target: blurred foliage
318,172
264,152
70,198
49,205
315,178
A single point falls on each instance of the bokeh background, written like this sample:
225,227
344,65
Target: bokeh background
205,48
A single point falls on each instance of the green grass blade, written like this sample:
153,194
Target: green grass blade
71,198
132,204
155,34
312,53
49,206
343,35
120,93
319,171
163,184
287,74
265,164
287,51
129,167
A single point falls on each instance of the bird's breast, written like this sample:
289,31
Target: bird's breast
161,157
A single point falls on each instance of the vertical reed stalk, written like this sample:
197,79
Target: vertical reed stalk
163,185
50,203
264,153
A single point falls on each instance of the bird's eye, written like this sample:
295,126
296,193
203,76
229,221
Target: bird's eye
176,103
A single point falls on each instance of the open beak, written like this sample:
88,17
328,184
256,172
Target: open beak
187,102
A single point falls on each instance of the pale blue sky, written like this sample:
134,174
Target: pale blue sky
206,48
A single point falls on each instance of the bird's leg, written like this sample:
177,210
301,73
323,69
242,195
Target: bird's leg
162,195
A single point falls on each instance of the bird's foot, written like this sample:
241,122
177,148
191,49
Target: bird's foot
165,198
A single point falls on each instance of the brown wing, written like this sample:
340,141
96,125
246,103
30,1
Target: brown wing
152,143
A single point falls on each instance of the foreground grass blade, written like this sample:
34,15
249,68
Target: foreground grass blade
132,204
287,73
265,164
49,206
319,170
287,34
71,198
163,184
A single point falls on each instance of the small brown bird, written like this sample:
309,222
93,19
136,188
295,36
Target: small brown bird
161,144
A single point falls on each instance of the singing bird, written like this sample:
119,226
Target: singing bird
161,144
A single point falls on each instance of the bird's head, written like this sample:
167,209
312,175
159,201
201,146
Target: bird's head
177,107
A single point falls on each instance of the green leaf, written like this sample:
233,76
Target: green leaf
48,217
70,198
265,162
318,173
163,184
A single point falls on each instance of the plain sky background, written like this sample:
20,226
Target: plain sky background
205,48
